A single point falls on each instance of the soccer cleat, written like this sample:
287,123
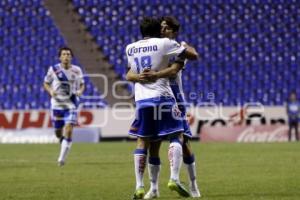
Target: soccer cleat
195,193
178,187
139,193
61,163
151,194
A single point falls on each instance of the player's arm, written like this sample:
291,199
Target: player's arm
80,80
135,77
183,51
169,72
47,83
48,88
190,52
131,76
148,76
81,89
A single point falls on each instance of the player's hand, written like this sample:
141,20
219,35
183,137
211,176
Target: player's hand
184,44
143,79
78,93
148,75
53,93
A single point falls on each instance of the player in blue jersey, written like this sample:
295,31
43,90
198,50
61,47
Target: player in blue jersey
170,28
157,114
64,82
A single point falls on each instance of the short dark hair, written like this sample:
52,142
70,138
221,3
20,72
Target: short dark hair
293,92
172,22
64,48
150,27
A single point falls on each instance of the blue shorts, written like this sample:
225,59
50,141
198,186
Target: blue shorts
186,129
61,117
182,105
157,119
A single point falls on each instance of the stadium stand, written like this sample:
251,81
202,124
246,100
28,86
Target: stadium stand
248,48
30,41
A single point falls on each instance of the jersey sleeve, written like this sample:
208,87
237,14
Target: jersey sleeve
49,76
173,48
80,77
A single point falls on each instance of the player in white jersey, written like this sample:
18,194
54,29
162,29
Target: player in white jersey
64,82
170,28
156,110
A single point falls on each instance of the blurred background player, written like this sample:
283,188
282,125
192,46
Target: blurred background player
64,82
293,111
155,103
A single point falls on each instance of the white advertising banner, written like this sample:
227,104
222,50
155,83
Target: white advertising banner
115,122
235,124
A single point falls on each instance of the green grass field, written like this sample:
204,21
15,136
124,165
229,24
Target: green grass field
105,172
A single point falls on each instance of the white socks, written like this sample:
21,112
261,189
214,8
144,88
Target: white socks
64,149
140,158
153,170
175,158
191,167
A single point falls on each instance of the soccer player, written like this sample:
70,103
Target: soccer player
156,110
293,111
169,28
64,82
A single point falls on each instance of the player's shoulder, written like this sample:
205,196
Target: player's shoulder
76,68
170,42
54,67
165,39
158,40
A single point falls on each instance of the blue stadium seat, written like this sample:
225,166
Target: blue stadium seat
30,43
239,43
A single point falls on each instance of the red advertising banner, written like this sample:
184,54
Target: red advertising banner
36,119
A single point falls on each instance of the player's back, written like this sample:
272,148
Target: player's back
154,54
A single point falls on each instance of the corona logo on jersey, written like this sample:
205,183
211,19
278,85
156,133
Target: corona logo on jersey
134,50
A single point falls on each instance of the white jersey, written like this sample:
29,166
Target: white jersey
153,53
65,82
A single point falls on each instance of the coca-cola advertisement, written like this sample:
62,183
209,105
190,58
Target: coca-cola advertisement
240,124
210,123
266,133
